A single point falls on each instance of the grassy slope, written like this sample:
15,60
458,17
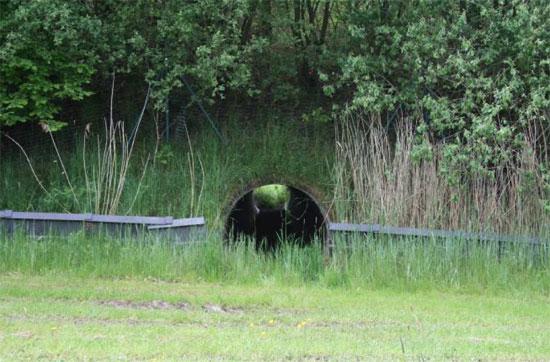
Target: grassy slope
179,182
62,317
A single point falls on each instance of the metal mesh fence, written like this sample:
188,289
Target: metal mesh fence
183,111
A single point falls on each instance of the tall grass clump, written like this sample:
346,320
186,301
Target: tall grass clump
89,178
105,180
192,175
428,263
358,262
379,180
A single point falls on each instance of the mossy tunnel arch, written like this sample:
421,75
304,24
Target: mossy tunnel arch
273,211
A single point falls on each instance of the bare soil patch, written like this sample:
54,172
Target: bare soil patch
154,304
216,308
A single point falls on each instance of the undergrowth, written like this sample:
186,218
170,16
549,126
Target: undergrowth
366,262
198,176
370,182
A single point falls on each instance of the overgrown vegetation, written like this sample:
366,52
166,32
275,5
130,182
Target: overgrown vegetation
358,262
190,177
474,74
380,177
423,113
371,181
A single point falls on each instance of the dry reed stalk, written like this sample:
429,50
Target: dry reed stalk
194,205
33,171
377,181
109,174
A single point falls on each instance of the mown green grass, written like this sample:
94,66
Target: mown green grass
58,316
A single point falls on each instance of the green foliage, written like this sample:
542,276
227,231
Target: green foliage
476,71
317,115
165,155
247,48
200,40
47,56
272,151
272,196
163,43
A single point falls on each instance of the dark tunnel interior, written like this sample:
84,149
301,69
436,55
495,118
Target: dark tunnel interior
299,219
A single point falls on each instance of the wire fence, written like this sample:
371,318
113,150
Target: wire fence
183,110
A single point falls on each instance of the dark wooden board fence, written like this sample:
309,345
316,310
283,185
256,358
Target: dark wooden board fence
336,228
42,223
187,229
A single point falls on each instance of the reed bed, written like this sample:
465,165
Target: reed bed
378,180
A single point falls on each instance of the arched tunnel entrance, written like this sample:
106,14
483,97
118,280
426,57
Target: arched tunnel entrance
271,213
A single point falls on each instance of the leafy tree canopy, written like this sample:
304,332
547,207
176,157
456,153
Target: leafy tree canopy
475,73
47,54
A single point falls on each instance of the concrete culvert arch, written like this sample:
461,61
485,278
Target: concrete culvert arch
271,212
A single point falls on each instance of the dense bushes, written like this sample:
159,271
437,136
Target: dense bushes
477,73
473,74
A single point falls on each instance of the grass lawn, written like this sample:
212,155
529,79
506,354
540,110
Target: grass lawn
67,318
